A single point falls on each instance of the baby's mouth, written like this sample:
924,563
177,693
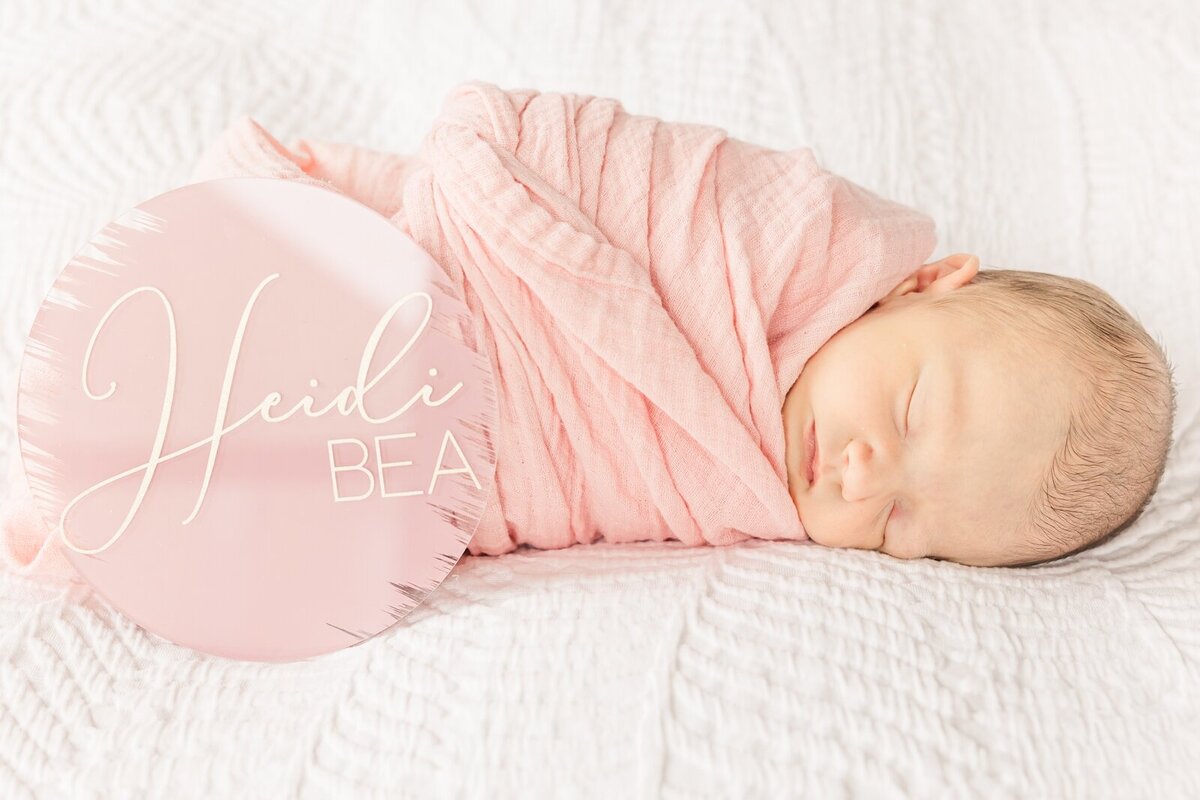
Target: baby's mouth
810,451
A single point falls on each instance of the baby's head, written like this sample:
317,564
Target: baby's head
990,418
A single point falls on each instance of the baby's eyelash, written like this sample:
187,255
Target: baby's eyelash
908,408
907,414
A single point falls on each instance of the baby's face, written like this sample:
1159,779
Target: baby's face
930,442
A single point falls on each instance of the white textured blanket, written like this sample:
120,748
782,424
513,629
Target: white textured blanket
1045,137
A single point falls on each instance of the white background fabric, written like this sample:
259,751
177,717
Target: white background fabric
1059,137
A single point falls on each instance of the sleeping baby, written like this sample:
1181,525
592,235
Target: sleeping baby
650,295
996,417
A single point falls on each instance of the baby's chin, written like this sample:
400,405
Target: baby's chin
817,536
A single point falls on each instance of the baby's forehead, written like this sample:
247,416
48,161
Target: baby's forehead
986,311
1007,346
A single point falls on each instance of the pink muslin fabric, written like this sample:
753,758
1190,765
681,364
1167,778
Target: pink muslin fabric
647,292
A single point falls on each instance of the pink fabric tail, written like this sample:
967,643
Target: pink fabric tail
647,291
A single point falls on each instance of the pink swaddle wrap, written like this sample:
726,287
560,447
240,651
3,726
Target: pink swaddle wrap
647,291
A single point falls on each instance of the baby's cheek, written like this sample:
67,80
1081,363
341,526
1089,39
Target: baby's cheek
833,528
903,548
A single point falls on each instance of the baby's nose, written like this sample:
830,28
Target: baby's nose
865,471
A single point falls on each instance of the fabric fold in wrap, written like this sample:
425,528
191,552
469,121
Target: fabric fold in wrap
647,292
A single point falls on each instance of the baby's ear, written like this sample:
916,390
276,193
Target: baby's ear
938,277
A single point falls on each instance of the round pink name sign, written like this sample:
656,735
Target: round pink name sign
254,412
